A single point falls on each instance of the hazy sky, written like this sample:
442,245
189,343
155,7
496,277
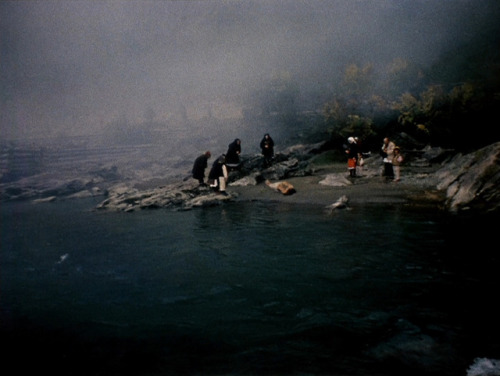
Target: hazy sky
73,67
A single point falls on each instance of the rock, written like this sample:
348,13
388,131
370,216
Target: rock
184,195
47,185
252,179
419,162
46,199
436,154
211,199
341,203
484,367
123,176
284,166
305,149
410,346
281,170
471,181
92,192
187,194
336,180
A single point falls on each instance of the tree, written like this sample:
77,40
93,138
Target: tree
401,76
342,121
457,118
358,83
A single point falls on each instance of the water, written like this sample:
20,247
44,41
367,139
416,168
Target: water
246,288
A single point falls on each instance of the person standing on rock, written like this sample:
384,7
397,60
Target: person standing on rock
352,156
360,164
233,153
199,166
267,147
397,159
218,175
388,154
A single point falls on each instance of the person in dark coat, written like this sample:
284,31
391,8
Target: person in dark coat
218,175
233,153
199,166
267,147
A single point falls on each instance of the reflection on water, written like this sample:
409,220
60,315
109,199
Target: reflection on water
246,288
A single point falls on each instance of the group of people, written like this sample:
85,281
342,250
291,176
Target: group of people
218,175
391,154
392,159
217,178
354,156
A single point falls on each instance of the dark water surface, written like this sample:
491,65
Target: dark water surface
247,288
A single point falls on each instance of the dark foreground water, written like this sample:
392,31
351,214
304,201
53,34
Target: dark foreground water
246,288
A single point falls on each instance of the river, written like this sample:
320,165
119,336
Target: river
246,288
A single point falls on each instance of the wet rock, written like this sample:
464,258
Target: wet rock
410,346
185,195
211,199
341,203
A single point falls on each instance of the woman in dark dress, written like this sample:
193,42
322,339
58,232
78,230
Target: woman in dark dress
233,153
267,147
199,166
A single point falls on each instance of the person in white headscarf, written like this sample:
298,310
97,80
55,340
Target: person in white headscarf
352,156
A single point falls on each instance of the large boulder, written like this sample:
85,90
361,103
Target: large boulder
472,181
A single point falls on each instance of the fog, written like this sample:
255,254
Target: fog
80,67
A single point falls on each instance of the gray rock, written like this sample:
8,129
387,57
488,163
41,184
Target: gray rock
44,200
484,367
185,195
252,179
471,181
336,180
341,203
211,199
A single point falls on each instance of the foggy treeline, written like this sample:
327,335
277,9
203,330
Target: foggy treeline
194,75
450,104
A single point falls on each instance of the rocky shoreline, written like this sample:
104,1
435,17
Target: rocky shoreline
455,183
463,183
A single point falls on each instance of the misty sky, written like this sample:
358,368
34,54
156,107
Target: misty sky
73,67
